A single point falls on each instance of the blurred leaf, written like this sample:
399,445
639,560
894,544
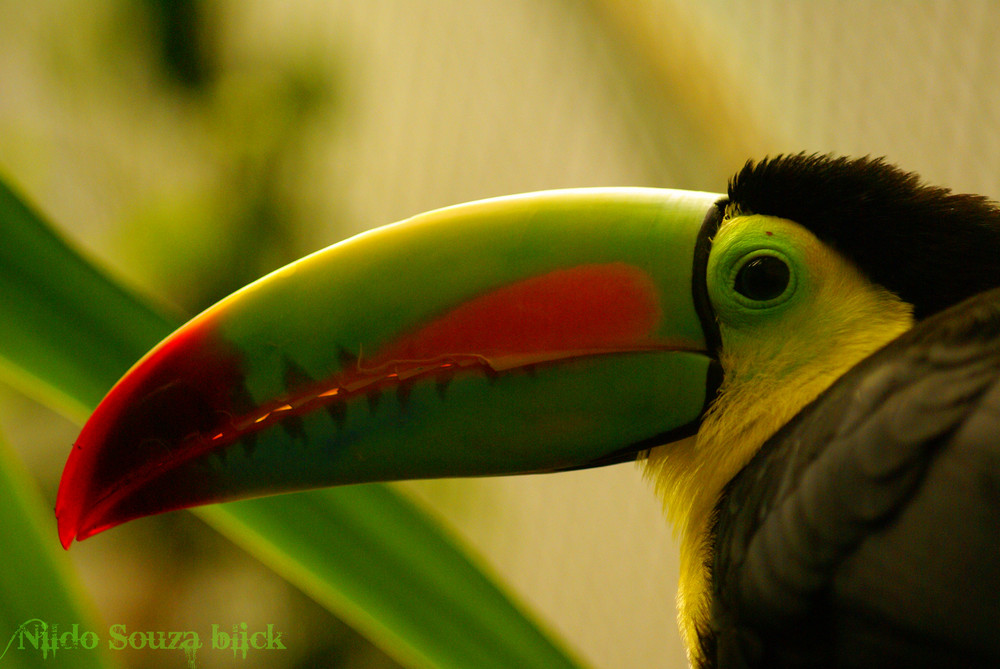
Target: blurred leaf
374,559
179,30
67,333
38,588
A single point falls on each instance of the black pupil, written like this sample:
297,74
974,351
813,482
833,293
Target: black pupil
762,278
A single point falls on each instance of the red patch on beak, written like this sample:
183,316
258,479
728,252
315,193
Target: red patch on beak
591,308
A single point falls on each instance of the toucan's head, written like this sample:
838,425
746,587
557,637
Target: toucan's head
815,262
534,333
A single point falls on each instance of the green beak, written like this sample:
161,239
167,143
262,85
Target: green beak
533,333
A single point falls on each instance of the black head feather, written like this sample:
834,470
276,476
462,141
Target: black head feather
931,247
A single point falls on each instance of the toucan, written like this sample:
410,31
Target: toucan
807,368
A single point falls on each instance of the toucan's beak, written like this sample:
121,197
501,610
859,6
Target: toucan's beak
533,333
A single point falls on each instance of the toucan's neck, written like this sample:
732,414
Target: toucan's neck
690,475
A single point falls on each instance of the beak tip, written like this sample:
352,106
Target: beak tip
67,529
67,514
76,515
76,526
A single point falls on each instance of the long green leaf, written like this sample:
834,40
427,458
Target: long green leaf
67,333
39,593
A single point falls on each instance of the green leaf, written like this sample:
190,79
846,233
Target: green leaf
39,591
383,566
67,332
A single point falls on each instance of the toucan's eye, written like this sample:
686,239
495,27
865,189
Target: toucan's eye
762,278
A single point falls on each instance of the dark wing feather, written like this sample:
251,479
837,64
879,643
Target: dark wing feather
866,533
